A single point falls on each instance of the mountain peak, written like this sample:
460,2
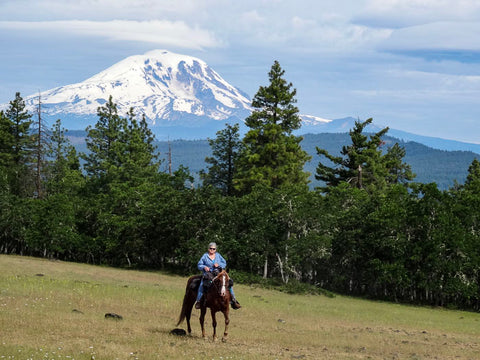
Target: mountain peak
166,87
162,58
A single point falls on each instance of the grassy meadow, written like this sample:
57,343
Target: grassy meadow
56,310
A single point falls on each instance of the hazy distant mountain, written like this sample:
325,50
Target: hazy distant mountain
345,124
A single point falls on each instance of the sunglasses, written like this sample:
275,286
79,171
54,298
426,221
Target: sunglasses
213,248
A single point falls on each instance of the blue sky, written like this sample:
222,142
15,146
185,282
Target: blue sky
412,65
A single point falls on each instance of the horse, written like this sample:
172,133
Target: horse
217,298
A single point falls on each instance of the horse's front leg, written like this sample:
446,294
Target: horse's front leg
214,324
227,321
202,320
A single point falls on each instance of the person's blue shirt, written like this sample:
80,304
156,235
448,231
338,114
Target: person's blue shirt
206,261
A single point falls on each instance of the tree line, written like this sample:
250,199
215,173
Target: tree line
370,230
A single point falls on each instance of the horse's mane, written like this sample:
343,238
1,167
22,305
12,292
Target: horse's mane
220,273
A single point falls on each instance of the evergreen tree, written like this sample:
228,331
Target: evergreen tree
467,209
363,163
225,150
105,142
123,171
19,155
473,176
7,141
64,173
15,177
398,171
271,154
41,144
139,158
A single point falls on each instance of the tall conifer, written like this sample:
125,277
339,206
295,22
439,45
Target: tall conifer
271,154
222,165
18,122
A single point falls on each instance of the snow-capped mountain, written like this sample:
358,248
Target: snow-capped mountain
180,95
170,89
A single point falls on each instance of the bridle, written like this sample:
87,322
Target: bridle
222,287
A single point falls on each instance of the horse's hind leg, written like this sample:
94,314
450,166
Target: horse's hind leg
188,312
214,324
187,316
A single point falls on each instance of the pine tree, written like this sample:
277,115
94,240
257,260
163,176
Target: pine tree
105,142
64,173
41,144
6,140
473,176
225,150
271,154
16,131
398,171
363,163
139,159
122,174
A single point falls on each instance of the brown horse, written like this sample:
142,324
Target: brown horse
217,298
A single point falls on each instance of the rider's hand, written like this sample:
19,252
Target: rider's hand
206,268
215,265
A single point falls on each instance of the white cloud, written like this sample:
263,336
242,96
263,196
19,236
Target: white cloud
165,33
268,24
399,13
251,17
35,10
435,36
413,87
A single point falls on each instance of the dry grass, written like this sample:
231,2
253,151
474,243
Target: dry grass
55,310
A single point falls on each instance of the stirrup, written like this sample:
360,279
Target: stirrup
198,305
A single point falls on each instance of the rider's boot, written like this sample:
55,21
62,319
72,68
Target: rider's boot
198,304
235,304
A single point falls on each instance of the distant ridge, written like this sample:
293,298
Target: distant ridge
344,125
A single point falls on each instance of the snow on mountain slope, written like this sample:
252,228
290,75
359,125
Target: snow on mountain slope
162,85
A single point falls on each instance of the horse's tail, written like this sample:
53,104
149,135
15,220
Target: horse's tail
189,298
183,312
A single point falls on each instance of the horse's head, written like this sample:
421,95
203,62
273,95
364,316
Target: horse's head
221,282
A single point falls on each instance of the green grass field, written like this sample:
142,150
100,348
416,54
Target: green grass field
56,310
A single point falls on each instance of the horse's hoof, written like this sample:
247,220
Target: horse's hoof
224,339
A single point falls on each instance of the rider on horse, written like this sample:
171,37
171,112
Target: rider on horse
212,261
